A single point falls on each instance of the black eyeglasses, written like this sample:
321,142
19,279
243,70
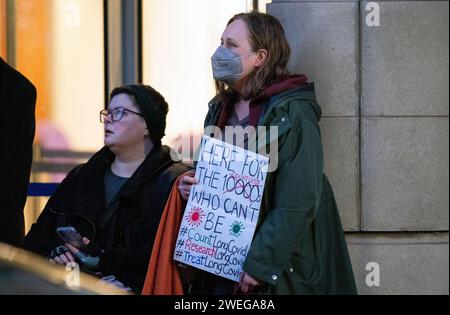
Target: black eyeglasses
116,114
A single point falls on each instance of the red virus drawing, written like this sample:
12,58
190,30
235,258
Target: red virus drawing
195,216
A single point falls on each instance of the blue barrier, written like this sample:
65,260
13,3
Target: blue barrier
41,189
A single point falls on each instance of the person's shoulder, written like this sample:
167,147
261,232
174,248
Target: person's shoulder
301,94
213,106
93,167
168,176
299,103
176,169
214,102
74,174
12,79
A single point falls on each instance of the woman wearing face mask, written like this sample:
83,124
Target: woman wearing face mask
299,245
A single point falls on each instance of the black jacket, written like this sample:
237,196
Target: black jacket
17,126
128,235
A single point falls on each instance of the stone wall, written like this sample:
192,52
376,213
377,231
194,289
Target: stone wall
384,93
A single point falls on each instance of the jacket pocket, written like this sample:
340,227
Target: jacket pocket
305,270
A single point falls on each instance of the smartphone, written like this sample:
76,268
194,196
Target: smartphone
70,236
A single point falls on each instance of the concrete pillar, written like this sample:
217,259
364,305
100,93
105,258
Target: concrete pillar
384,94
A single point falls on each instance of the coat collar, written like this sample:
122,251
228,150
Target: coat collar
158,159
272,115
84,193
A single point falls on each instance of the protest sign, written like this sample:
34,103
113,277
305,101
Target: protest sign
222,210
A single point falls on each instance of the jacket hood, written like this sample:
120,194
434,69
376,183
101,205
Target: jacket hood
290,83
305,92
293,86
158,159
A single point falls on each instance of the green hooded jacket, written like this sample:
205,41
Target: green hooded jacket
299,245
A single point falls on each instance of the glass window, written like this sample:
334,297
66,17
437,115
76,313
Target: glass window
58,45
179,38
3,29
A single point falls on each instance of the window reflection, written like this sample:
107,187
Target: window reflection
58,45
179,38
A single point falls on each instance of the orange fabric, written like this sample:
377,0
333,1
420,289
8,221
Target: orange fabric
33,22
3,27
163,277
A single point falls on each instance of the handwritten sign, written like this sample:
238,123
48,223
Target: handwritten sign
222,209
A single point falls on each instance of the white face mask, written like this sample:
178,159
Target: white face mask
227,65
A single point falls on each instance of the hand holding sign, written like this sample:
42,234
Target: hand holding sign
222,209
186,182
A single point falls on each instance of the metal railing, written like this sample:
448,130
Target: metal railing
49,167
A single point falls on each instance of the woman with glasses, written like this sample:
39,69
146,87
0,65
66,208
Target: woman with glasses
116,199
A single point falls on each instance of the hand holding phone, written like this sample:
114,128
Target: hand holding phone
71,236
86,253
